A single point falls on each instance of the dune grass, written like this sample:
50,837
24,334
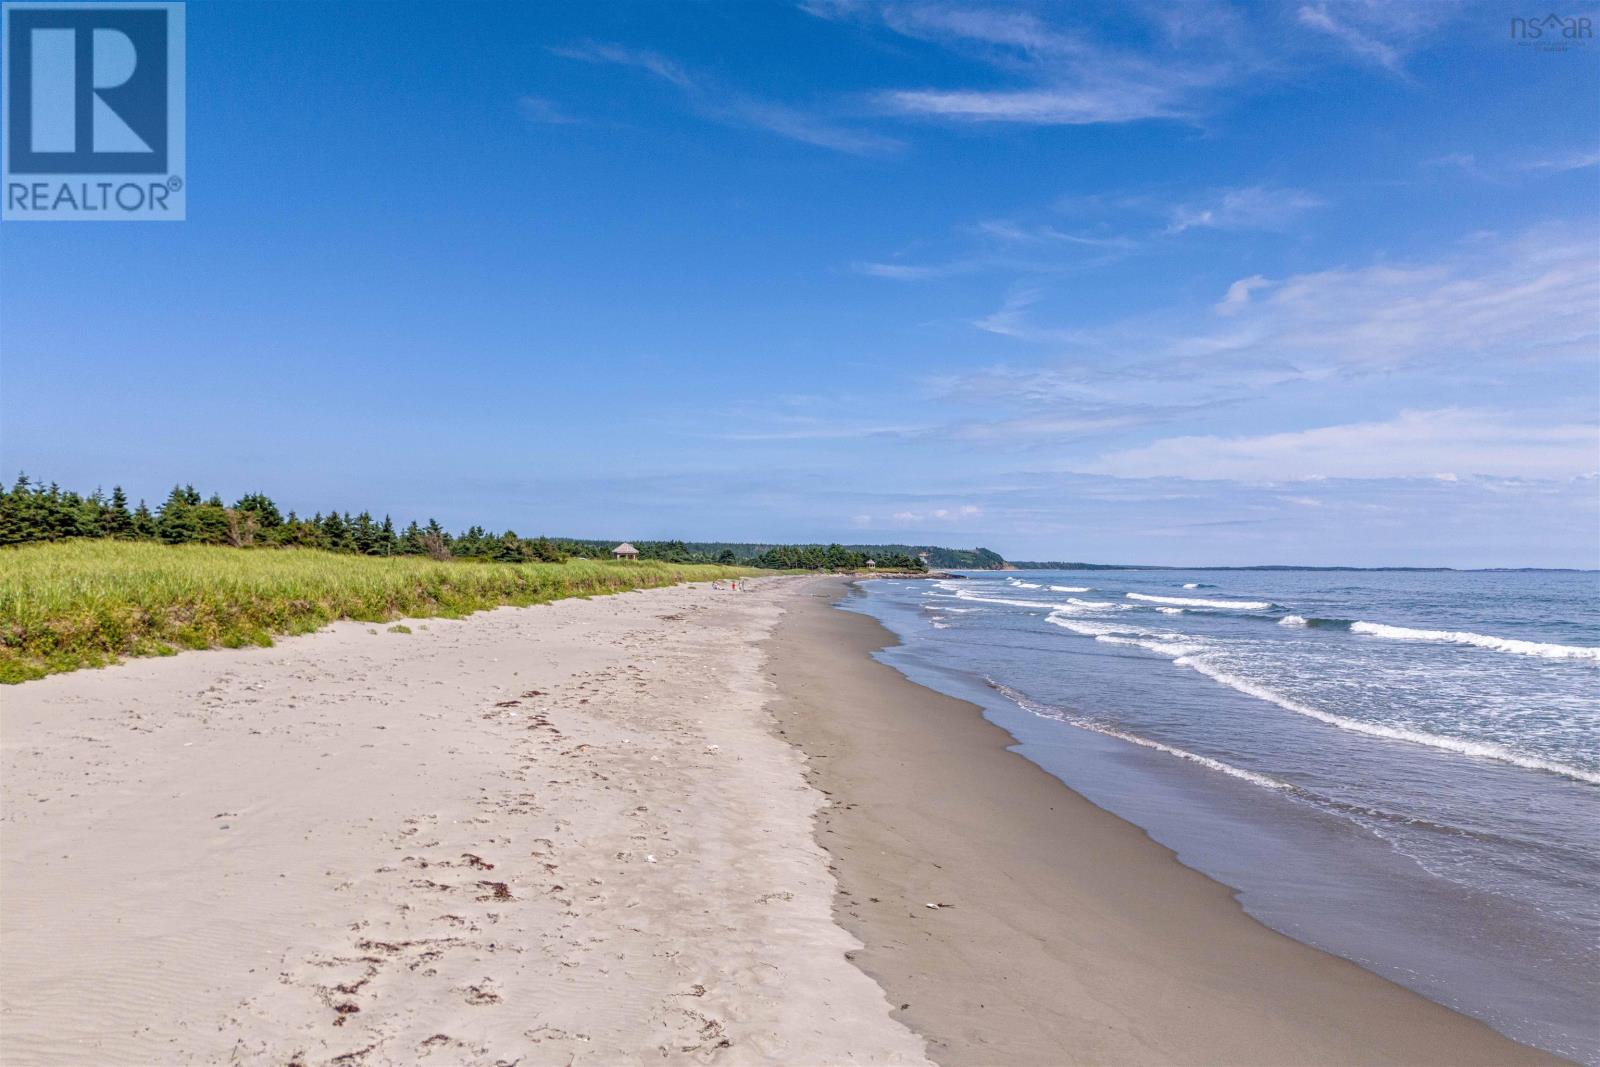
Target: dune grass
75,604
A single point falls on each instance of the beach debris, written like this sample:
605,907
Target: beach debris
482,993
495,891
713,749
936,907
649,859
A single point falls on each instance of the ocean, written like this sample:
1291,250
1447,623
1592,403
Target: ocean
1400,767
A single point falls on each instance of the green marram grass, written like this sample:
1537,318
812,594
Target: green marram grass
73,604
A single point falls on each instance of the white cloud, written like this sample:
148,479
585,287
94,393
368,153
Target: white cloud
956,513
1524,298
1580,160
1357,40
545,112
1251,208
1081,105
1011,232
1496,299
910,272
1413,444
734,108
1380,32
1239,294
1069,78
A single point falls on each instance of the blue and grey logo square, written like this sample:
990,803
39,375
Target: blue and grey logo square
93,115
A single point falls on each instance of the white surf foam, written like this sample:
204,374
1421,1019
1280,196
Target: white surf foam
1074,605
1191,585
965,594
1188,602
1170,611
1463,637
1481,749
1071,589
1045,711
1293,620
1188,655
1168,644
1020,584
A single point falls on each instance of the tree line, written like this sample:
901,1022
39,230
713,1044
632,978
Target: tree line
34,511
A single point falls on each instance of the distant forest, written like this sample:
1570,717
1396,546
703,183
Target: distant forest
34,511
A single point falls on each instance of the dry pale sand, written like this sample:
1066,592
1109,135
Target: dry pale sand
539,836
1069,936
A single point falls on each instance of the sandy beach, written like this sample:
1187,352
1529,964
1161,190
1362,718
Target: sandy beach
560,834
683,824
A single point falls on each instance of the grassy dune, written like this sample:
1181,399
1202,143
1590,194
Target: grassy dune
78,604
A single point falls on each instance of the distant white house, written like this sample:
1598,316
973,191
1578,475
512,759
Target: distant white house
625,551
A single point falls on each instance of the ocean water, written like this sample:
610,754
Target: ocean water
1402,768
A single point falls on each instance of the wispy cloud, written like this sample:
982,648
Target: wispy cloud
1238,295
1252,208
1012,232
1505,299
1079,105
732,107
1580,160
1377,32
915,272
1448,443
539,110
937,516
1356,40
1067,78
1011,319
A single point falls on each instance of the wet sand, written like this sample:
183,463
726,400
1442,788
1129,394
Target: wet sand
1061,934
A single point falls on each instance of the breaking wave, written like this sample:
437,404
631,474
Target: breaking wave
1191,602
1185,653
1480,749
1496,644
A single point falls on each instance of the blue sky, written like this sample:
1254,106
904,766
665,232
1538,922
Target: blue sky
1307,282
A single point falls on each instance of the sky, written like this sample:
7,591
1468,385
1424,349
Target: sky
1151,283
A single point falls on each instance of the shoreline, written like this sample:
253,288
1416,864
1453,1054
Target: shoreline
1041,957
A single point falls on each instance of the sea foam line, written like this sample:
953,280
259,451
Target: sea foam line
1071,589
1463,637
1192,602
1185,655
962,594
1461,746
1045,711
